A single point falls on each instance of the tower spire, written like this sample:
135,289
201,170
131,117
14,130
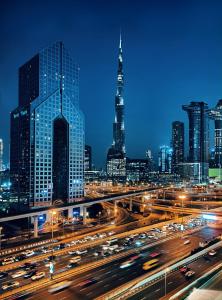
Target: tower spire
120,40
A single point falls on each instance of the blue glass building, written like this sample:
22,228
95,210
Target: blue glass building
47,131
198,139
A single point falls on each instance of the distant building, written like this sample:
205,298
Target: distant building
47,131
1,155
177,145
116,165
165,159
88,158
137,170
116,156
216,115
198,138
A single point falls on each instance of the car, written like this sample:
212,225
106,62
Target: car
186,242
10,285
71,265
8,260
97,253
111,233
38,275
79,252
212,252
3,275
71,252
29,266
189,274
30,274
127,263
119,249
59,286
20,257
87,282
184,269
28,253
19,274
154,254
75,259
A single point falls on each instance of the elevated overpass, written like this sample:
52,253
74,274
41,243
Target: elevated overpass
35,212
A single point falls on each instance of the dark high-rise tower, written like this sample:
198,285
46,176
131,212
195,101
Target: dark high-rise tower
116,161
118,125
216,115
177,144
198,138
47,130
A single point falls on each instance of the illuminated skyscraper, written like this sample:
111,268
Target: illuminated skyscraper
1,154
216,115
198,139
116,161
177,144
165,159
47,130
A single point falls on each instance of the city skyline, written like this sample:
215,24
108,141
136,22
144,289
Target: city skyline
155,54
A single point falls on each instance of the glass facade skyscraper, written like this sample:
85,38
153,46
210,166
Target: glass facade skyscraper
1,154
47,130
198,138
116,160
165,159
177,144
216,115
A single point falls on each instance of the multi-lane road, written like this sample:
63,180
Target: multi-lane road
110,276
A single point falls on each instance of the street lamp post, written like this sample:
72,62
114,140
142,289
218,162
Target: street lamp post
182,197
165,291
1,237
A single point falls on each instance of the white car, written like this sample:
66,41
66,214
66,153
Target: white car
186,242
10,285
121,248
71,252
29,253
212,252
19,274
8,260
59,286
75,259
79,252
38,275
189,274
111,233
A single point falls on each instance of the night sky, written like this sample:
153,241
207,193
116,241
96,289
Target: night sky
172,53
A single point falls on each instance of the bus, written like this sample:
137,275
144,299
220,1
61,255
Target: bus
150,264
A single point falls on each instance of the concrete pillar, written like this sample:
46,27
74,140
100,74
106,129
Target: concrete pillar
70,212
48,217
84,215
81,211
130,204
35,226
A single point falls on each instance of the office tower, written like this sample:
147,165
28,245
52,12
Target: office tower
116,161
198,139
88,158
177,145
137,169
1,154
216,115
47,131
165,159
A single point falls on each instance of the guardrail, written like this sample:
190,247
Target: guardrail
186,290
142,282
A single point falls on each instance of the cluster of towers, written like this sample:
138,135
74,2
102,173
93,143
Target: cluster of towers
196,166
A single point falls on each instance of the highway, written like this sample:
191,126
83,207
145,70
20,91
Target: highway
176,281
110,275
